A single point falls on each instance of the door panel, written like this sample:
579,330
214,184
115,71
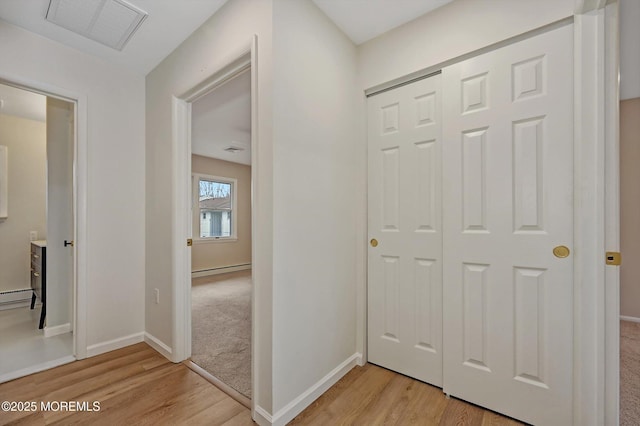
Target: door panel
405,269
508,201
60,211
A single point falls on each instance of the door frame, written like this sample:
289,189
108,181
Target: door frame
612,214
596,209
80,197
182,192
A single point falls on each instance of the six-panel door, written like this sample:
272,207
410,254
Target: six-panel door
405,269
477,302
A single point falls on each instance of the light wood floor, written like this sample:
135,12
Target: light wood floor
372,395
136,385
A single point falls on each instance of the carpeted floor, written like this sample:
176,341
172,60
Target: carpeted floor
629,373
221,327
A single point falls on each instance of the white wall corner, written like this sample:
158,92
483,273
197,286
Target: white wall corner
295,407
158,345
112,345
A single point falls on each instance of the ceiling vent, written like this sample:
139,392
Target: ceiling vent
110,22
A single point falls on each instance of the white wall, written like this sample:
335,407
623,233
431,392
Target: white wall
316,131
629,207
629,51
116,215
453,30
222,39
26,140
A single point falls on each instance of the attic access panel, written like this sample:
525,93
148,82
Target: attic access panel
109,22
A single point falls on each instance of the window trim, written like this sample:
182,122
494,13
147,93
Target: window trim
195,208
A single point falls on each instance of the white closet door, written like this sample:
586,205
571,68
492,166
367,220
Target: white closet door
508,202
405,269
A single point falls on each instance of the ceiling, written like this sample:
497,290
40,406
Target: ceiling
149,45
222,119
363,20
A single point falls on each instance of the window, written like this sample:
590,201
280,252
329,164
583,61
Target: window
214,207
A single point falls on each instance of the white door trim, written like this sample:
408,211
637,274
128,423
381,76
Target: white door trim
80,195
181,153
612,215
597,217
595,138
181,190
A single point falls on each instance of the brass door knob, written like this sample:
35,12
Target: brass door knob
374,242
561,251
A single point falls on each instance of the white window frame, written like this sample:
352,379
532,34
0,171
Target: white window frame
195,180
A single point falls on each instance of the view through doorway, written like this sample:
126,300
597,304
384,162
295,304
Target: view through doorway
221,232
37,142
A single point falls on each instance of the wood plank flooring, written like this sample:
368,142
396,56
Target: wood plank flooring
138,386
372,395
134,386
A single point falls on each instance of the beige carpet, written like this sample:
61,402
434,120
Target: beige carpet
629,373
221,327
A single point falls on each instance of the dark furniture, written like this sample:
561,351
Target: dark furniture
39,277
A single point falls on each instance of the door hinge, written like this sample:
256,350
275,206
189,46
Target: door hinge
189,242
613,258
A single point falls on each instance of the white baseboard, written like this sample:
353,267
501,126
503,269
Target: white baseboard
112,345
57,329
16,304
295,407
632,319
158,345
223,270
12,299
261,416
36,368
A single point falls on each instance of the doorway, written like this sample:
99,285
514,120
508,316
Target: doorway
221,232
184,211
37,231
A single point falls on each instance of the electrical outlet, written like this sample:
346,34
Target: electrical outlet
33,235
157,292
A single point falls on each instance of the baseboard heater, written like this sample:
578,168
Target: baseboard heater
220,270
15,298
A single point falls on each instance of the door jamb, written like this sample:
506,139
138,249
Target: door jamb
80,196
596,127
182,218
612,214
